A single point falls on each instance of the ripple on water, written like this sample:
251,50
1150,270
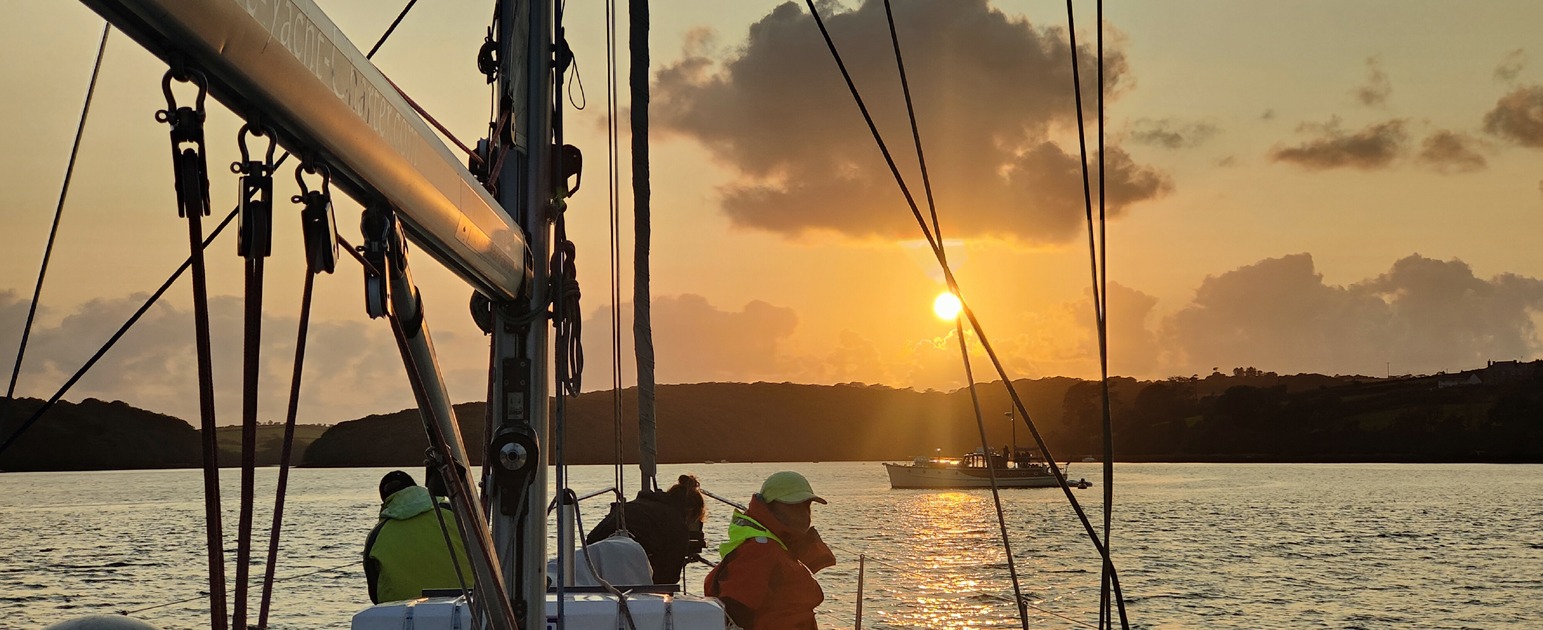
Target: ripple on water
1256,546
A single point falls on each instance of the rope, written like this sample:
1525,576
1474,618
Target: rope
289,441
53,231
642,300
432,121
927,578
256,236
190,166
953,284
1097,253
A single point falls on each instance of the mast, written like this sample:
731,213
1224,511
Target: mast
518,407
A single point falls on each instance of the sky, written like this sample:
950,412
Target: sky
1314,186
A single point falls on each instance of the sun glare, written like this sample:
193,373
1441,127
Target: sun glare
947,306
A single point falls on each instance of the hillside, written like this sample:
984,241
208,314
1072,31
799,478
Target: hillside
1489,415
95,435
1483,415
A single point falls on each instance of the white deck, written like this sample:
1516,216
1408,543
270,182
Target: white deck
582,611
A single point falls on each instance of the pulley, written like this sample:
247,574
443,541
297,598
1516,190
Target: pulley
254,236
318,224
382,243
189,165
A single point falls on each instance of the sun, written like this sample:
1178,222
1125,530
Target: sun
946,306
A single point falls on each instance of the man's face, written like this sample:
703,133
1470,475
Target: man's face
796,516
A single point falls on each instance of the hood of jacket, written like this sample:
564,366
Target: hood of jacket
407,503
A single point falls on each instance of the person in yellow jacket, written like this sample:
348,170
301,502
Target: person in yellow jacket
407,552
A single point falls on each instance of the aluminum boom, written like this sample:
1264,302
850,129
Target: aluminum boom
285,64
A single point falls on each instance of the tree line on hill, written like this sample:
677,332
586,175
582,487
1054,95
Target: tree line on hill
1492,415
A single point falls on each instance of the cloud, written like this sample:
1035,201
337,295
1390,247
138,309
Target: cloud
1171,134
695,341
1377,89
991,92
352,367
1371,148
1451,152
1511,66
1422,316
1518,117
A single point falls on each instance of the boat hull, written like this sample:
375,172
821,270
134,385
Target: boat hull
914,476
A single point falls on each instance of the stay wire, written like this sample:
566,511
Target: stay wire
1099,279
64,191
937,229
991,472
968,312
390,29
133,319
613,149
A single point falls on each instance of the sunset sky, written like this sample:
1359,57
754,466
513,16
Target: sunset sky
1312,186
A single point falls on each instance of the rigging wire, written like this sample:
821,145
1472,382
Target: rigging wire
968,312
390,29
612,150
937,229
111,341
1096,258
64,191
991,471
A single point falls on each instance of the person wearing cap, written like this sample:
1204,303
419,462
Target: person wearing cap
766,578
407,551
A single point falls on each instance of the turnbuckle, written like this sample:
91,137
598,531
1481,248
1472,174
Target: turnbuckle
255,234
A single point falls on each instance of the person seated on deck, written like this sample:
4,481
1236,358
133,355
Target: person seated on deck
407,552
668,524
766,578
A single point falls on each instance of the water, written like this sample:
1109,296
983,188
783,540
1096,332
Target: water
1196,545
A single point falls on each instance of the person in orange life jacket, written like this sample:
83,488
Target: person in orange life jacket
766,578
407,553
667,524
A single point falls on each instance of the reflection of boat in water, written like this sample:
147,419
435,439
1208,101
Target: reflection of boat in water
974,470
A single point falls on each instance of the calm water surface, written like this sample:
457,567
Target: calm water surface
1212,546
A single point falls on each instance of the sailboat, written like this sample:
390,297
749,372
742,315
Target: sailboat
495,222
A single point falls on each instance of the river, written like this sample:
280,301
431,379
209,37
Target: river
1196,545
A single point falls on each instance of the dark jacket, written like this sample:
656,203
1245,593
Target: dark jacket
658,526
766,579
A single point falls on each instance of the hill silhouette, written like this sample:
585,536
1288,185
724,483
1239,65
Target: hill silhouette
1489,415
1493,414
96,435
